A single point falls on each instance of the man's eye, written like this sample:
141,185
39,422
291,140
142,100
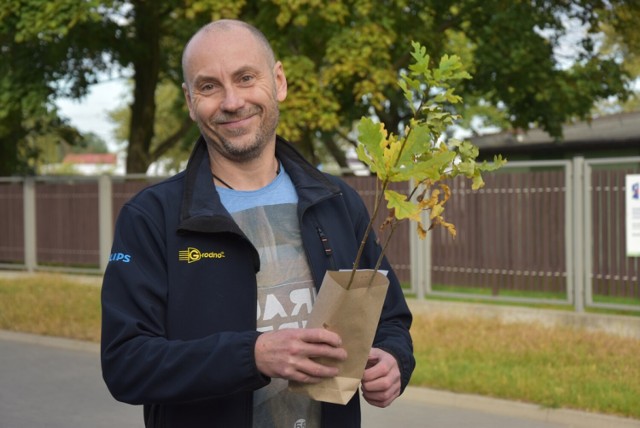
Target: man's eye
247,78
207,87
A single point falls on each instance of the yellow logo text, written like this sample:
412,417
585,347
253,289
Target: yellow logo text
191,255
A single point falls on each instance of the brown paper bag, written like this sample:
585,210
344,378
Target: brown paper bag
353,314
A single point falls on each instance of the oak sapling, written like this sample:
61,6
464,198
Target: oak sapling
420,155
350,303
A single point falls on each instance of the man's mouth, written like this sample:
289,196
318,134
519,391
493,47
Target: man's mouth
235,120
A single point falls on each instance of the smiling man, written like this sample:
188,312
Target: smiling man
213,341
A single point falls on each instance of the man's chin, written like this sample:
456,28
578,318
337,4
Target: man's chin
241,151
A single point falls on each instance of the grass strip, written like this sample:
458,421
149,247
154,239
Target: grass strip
550,366
50,305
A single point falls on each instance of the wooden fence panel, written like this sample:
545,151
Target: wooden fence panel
11,222
510,235
67,223
613,273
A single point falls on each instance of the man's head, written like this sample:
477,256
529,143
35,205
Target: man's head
226,25
233,85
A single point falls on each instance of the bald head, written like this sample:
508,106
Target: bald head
226,25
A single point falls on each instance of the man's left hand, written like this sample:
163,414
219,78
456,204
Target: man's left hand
381,379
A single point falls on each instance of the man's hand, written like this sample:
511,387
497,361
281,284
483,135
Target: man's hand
290,354
381,379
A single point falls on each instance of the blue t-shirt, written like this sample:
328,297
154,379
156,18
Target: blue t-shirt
286,293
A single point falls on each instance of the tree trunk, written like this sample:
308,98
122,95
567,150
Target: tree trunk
146,65
11,133
338,154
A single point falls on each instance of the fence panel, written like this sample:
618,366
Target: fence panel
67,223
510,236
614,277
11,222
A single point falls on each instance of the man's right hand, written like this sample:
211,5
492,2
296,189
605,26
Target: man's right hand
290,354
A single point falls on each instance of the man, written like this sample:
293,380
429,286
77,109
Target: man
248,225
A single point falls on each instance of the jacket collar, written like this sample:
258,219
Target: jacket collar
201,202
311,185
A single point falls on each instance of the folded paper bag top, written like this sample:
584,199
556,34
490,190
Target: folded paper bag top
354,314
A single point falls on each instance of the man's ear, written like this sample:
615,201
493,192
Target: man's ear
187,97
281,81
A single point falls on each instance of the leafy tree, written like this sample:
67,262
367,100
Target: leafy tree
622,42
170,147
357,49
342,58
90,143
41,44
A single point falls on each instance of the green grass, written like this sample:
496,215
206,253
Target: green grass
486,291
50,305
552,367
483,295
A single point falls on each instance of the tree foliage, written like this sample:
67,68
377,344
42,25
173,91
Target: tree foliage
342,58
418,155
43,43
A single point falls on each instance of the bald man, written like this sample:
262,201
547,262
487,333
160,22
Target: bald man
204,324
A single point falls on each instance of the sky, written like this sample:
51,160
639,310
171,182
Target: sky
90,114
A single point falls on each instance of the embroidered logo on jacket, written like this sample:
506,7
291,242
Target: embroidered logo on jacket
120,257
191,255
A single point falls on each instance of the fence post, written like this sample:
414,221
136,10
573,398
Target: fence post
105,218
420,258
578,250
30,233
588,235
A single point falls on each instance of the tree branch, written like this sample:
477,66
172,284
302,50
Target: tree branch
172,140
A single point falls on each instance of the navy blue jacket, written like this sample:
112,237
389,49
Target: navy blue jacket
179,296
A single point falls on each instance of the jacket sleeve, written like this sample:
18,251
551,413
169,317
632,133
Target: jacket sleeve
140,365
393,333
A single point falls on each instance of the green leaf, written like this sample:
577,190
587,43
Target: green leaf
429,167
402,208
477,181
371,139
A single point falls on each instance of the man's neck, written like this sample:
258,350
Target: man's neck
246,176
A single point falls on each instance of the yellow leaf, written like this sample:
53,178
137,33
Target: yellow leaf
450,227
422,233
436,211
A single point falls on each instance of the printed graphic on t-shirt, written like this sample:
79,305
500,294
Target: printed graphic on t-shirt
285,297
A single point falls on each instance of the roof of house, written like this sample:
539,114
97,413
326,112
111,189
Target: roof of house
616,131
91,158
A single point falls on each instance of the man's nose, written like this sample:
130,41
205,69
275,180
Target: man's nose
233,99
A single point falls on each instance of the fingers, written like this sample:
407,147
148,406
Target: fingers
381,382
309,372
381,399
382,391
303,355
379,364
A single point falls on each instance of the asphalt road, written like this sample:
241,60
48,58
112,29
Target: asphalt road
56,383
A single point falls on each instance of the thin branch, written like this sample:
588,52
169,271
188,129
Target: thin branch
172,140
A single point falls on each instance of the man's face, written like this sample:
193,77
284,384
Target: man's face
232,91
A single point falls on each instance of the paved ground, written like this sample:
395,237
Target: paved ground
56,383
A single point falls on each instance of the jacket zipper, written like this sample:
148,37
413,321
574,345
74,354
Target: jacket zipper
328,251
